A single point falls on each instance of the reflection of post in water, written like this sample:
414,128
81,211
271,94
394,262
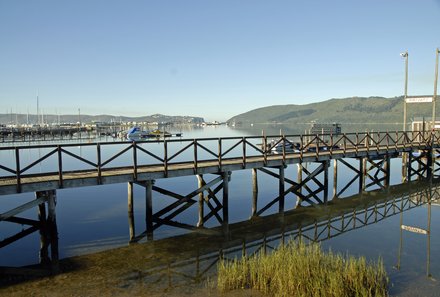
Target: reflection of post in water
131,225
265,234
204,195
254,192
48,230
45,225
418,230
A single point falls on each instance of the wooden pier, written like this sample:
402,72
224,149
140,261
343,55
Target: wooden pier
44,169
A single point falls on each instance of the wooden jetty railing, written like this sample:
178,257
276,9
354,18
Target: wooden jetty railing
177,157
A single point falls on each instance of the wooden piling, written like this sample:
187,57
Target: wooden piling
131,225
281,190
254,192
299,181
44,245
201,199
149,206
226,197
326,167
335,179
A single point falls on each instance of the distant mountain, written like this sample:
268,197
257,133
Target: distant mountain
347,110
50,118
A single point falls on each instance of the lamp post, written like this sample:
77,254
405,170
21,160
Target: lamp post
434,98
405,56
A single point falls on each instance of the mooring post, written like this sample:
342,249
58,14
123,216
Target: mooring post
130,195
335,179
44,252
299,179
409,166
149,207
326,168
387,171
201,198
364,173
281,189
53,230
254,192
429,162
226,198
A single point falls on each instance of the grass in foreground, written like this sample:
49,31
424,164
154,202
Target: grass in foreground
297,269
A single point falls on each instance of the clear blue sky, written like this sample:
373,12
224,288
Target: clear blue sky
213,59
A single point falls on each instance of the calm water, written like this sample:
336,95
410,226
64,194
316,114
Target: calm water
92,219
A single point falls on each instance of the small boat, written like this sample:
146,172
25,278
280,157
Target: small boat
288,147
158,133
136,133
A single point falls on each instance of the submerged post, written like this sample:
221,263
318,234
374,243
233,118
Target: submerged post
335,179
53,230
254,192
149,207
281,190
226,175
299,180
326,167
201,208
131,226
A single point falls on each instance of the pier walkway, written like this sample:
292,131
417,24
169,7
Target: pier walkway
151,160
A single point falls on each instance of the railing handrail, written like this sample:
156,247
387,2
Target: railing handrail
371,141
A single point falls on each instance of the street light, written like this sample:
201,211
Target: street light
434,98
405,56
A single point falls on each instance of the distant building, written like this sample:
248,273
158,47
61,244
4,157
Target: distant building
323,128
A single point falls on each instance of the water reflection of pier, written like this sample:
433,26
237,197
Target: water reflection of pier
198,252
262,235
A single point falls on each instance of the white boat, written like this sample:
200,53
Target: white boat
288,147
136,133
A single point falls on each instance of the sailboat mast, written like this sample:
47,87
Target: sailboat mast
38,110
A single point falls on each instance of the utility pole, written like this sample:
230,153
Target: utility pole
434,98
405,56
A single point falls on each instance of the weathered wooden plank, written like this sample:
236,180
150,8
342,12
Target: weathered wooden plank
22,208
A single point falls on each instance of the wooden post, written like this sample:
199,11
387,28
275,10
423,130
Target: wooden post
60,167
195,156
98,157
226,197
201,199
44,246
335,179
134,148
149,207
299,180
130,196
364,173
429,162
281,190
53,230
387,170
254,192
326,167
17,168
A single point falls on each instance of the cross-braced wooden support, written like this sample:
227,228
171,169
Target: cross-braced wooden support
420,165
357,176
310,188
436,163
45,224
376,172
281,190
208,202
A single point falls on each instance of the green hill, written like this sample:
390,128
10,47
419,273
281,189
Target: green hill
348,110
